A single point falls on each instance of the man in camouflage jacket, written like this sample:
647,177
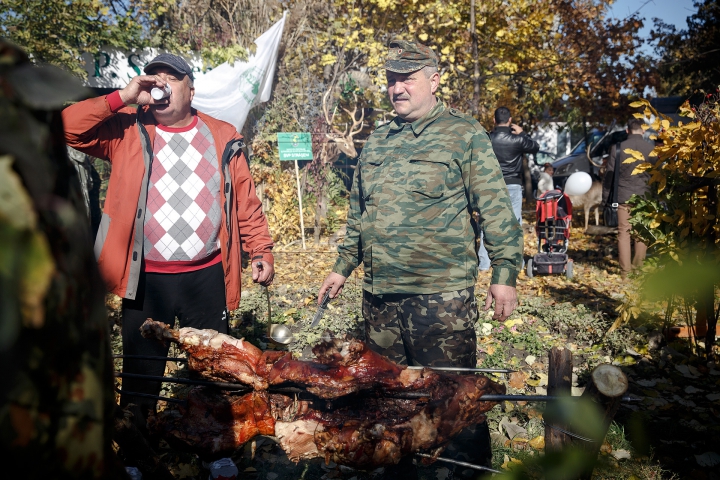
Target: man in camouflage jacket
418,181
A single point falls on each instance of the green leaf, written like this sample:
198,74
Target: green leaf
36,275
16,207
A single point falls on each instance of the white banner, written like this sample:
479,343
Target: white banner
113,68
228,92
225,92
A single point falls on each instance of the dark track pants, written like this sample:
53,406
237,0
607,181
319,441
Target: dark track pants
430,330
196,298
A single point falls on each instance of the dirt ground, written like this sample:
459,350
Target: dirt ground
669,428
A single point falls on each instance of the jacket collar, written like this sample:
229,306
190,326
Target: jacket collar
420,124
502,129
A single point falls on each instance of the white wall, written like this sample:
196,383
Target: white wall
552,137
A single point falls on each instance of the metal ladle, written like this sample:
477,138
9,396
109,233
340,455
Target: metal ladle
277,333
280,334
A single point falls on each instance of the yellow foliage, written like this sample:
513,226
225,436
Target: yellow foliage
279,195
328,59
519,44
680,218
687,157
643,167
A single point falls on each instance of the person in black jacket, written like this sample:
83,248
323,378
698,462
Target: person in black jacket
628,185
509,144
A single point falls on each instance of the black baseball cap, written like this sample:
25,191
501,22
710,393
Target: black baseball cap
172,61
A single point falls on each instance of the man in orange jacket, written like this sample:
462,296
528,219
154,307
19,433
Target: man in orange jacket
179,205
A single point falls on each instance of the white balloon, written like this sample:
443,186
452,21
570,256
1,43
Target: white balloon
578,183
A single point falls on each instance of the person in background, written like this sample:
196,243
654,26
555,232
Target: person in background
545,183
417,182
180,205
509,144
628,185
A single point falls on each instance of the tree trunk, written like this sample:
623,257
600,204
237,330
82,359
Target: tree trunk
708,295
476,65
559,384
606,387
320,215
527,180
705,316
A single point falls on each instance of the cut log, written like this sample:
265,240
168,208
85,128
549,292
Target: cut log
606,387
609,382
559,384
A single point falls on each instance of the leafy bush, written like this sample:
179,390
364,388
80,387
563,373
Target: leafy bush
575,323
496,359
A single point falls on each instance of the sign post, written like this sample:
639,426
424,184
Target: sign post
296,146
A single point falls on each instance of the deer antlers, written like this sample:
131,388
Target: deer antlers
344,139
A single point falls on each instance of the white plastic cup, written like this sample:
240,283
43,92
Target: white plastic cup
224,468
160,93
134,473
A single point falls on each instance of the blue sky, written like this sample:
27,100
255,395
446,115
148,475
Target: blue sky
674,12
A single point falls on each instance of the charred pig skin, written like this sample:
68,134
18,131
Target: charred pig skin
357,415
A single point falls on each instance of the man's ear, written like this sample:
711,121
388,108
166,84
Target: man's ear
434,82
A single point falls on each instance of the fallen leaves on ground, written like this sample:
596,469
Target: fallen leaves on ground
669,387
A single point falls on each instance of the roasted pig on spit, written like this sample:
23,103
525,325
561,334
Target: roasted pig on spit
216,356
341,366
357,417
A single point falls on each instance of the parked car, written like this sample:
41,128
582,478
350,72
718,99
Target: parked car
541,158
584,159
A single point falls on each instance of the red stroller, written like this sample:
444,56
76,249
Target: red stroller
553,210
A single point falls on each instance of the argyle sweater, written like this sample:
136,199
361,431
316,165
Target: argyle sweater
183,206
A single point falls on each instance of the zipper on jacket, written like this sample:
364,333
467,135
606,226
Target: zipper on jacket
141,209
231,150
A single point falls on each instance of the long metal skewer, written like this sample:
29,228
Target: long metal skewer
242,386
186,381
503,398
464,369
403,395
205,383
566,432
458,462
406,395
150,357
518,398
148,395
412,367
494,398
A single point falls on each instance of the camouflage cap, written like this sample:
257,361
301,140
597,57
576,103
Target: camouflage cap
405,56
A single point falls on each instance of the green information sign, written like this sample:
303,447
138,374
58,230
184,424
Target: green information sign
295,146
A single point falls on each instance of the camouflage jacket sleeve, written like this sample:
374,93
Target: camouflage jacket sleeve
350,251
487,195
